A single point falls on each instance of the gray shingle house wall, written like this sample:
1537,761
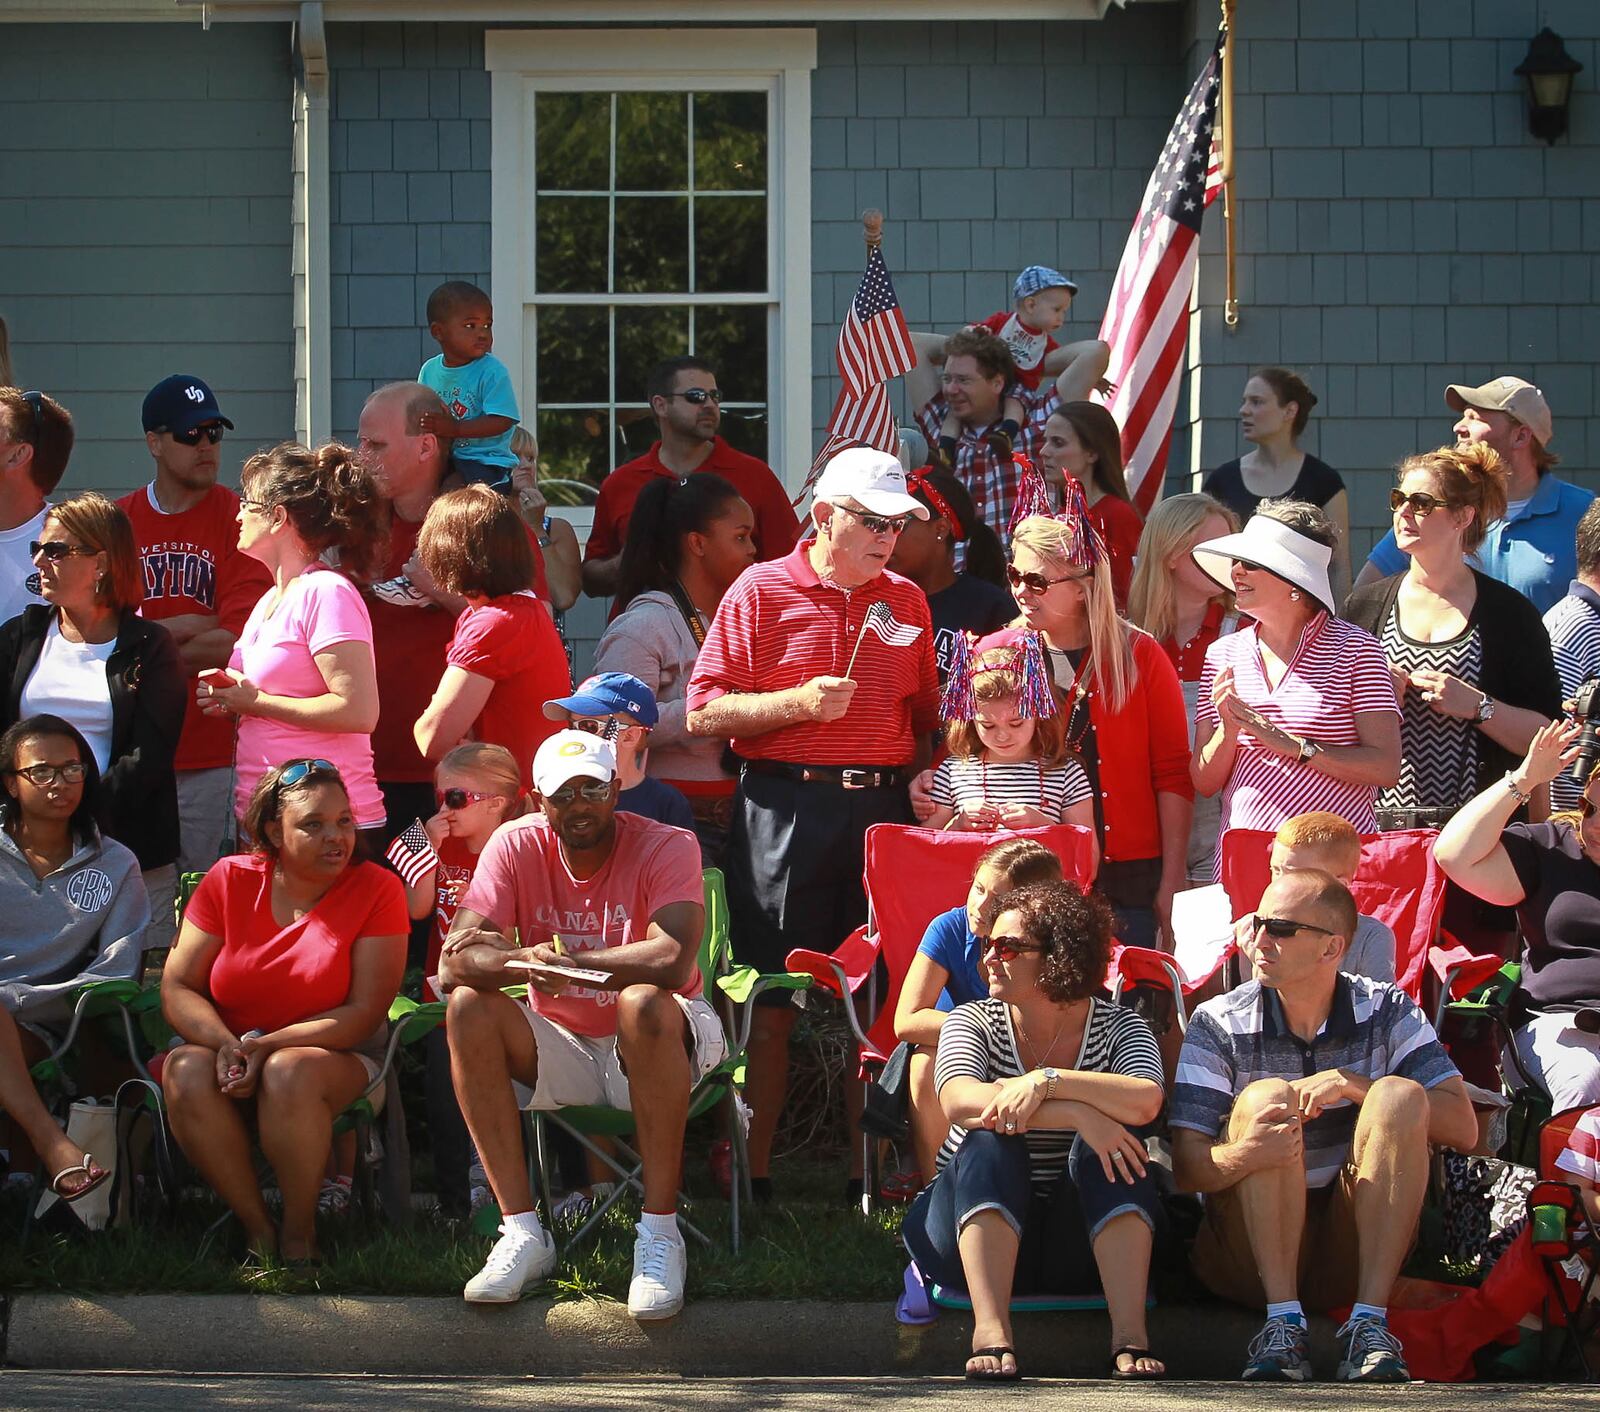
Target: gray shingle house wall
144,226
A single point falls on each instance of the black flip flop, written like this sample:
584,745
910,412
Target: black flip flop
999,1375
1133,1374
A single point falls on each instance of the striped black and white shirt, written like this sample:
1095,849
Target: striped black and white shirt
978,1041
1574,628
968,781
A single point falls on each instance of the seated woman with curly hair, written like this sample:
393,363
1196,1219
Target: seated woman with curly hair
281,983
1043,1175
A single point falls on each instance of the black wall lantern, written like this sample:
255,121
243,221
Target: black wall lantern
1549,70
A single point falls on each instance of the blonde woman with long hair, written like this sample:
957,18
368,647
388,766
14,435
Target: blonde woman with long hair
1179,605
1124,715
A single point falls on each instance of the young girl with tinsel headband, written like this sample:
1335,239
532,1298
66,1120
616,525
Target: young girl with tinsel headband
1008,767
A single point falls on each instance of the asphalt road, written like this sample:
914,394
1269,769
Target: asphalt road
147,1392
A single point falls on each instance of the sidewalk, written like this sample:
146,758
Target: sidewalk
339,1334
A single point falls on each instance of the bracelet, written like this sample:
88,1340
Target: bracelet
1516,793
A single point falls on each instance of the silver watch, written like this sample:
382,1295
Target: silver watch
1308,748
1486,708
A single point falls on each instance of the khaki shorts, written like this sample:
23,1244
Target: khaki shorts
577,1071
1330,1258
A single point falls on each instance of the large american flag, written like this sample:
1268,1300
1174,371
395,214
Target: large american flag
1147,317
874,346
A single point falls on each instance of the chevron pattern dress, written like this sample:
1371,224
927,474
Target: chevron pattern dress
1438,753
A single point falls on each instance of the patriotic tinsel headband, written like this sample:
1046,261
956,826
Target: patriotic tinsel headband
1024,659
1085,548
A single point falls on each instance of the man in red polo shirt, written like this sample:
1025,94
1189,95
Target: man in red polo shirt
820,669
688,409
201,588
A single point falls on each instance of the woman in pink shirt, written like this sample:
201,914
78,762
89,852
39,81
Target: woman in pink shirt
301,679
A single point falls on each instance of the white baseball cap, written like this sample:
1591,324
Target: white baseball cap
874,480
567,755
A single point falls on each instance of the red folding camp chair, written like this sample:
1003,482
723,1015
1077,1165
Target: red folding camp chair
912,875
1399,883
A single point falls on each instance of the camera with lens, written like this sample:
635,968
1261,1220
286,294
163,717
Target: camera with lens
1586,709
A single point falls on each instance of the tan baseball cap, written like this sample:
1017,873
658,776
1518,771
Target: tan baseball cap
1516,398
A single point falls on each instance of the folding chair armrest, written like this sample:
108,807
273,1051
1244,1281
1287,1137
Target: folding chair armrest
1145,965
1459,972
843,971
744,983
413,1019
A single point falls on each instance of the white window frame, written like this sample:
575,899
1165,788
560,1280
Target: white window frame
523,63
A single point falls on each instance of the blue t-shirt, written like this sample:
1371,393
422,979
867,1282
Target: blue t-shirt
481,388
948,943
658,800
1534,551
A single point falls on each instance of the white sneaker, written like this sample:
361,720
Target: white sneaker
659,1265
516,1259
401,592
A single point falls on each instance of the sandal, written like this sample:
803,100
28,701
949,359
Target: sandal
1000,1375
97,1175
1134,1374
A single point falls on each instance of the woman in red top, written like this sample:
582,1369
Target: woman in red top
280,983
1124,712
506,659
1081,439
1185,610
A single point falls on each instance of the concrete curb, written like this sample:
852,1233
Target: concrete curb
337,1334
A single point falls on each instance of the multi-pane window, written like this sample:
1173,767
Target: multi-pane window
651,239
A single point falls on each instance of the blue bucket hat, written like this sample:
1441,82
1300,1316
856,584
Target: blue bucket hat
1038,277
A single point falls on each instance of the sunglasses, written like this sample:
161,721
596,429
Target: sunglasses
1422,505
698,395
881,524
1038,583
35,401
1282,928
43,776
55,550
1008,948
460,798
192,437
594,792
606,727
297,770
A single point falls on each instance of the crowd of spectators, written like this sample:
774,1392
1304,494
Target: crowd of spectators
360,656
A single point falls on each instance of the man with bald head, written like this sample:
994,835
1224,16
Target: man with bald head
1303,1109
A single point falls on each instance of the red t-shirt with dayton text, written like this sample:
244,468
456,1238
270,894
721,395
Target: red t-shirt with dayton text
192,563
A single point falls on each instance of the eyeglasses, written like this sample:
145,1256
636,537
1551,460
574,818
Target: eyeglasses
212,433
43,776
594,792
460,798
697,395
881,524
256,507
1282,928
606,727
1422,505
297,770
1038,583
35,401
55,550
1008,948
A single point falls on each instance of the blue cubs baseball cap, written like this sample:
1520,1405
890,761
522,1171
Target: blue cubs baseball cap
181,403
1038,277
608,694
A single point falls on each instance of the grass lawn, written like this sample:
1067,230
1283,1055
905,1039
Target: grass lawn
810,1247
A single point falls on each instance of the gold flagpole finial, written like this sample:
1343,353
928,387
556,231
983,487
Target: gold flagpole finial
872,227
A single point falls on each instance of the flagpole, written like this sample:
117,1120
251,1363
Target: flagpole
1230,308
860,638
872,227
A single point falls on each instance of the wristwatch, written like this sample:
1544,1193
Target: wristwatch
1486,708
1308,748
1050,1079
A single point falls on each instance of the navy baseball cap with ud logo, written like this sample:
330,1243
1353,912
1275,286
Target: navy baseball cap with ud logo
608,694
181,403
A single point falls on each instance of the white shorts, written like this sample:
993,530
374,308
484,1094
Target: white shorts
577,1071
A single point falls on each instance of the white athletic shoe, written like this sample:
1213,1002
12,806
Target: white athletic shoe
659,1265
516,1259
401,592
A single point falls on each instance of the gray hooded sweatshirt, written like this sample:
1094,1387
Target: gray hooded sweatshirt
85,922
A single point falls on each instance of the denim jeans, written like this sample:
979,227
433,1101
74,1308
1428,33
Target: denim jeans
1057,1230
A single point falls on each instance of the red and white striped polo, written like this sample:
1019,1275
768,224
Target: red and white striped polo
780,625
1337,671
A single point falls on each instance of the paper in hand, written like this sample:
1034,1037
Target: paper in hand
578,975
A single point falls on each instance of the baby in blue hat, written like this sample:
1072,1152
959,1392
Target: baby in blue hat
1040,299
622,709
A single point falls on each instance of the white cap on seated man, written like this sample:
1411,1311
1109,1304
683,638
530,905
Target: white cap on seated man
581,884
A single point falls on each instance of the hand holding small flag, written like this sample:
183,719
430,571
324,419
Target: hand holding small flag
882,623
412,853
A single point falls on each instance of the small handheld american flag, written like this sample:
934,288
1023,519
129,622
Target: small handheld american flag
412,853
882,623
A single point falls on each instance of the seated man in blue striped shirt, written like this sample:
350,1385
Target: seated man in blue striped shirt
1303,1109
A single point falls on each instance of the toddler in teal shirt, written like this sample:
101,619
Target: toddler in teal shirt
474,384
